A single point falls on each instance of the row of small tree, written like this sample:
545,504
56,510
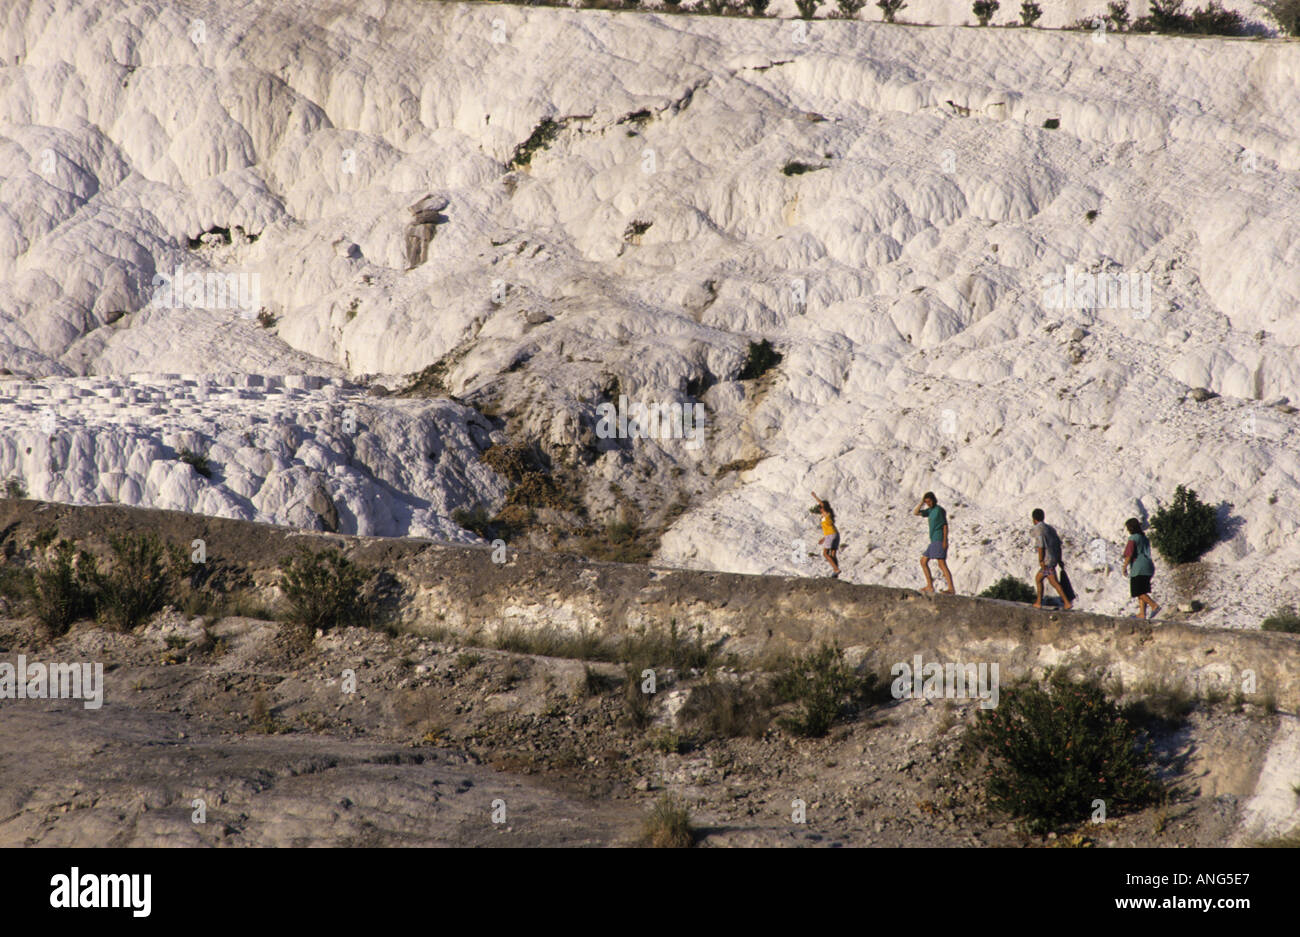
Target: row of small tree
1165,16
847,9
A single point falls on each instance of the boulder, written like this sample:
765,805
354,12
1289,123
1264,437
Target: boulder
322,505
418,237
428,209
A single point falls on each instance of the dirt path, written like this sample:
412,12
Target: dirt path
128,777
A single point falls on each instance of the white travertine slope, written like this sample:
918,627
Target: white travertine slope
923,356
293,450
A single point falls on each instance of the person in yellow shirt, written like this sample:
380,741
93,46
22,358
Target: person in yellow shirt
830,534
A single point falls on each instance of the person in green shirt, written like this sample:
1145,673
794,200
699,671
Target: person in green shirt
938,547
1139,568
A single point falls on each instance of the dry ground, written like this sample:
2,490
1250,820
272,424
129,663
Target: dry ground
437,735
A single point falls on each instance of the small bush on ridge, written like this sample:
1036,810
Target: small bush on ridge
984,10
323,590
1185,529
65,589
1011,589
140,582
890,8
1284,619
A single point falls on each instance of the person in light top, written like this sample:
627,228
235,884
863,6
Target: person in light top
830,534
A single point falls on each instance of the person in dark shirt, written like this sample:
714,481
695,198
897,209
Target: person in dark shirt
1048,542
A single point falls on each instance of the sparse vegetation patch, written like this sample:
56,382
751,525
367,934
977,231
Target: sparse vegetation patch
1184,529
1052,749
1010,589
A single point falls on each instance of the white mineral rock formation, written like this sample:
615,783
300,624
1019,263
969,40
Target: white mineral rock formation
638,196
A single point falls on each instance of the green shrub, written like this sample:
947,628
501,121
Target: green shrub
623,542
822,684
476,520
662,649
1213,20
807,8
553,642
890,8
1185,529
64,589
796,168
595,683
197,461
636,228
984,10
1054,748
541,137
1167,16
849,8
141,581
636,702
15,489
323,590
757,7
1284,619
1287,14
668,826
1030,13
1161,704
1117,14
726,710
1011,589
760,359
16,584
668,742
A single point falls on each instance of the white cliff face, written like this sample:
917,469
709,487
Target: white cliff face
911,275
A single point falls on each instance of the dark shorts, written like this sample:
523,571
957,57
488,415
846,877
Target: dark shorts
1139,585
935,551
831,542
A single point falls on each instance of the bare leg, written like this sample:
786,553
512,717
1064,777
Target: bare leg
929,580
943,568
1038,581
1051,577
830,558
